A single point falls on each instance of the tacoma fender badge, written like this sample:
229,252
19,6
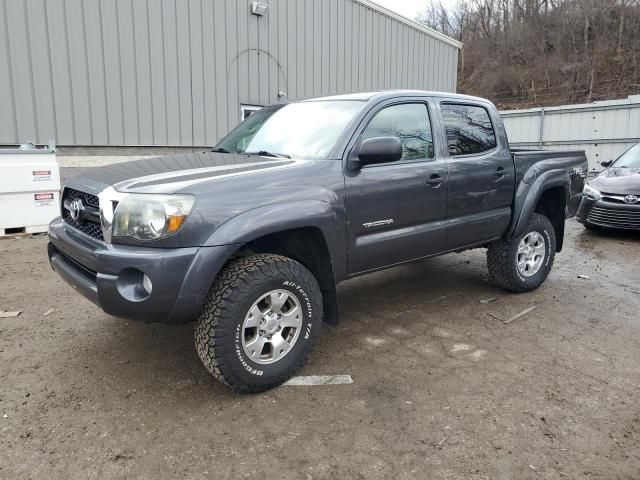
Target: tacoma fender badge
378,223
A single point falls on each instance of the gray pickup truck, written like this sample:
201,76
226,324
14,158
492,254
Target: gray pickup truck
251,238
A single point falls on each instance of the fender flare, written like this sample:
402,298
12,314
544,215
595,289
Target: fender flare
258,222
528,195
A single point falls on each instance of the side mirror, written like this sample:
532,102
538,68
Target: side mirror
377,150
606,164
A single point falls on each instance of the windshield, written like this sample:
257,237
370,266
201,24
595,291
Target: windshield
303,130
629,159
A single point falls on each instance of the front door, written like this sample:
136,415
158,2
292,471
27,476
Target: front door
396,210
481,176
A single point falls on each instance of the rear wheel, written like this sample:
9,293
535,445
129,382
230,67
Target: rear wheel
523,264
259,322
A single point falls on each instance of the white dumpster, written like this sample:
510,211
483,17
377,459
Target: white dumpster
29,189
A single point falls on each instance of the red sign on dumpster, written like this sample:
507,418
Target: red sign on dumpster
41,175
43,199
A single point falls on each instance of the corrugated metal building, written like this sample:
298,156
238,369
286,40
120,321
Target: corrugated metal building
177,72
603,129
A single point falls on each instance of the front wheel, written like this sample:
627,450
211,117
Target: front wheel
259,321
523,264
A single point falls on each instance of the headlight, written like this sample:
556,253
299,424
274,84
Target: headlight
592,192
150,217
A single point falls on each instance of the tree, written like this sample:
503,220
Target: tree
522,53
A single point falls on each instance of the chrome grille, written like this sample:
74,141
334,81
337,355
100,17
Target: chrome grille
619,218
87,198
612,198
90,227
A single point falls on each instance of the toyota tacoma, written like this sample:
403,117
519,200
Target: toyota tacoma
251,238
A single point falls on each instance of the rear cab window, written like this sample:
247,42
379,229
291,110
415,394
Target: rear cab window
469,129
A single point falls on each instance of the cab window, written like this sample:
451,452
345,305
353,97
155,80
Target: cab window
410,123
469,129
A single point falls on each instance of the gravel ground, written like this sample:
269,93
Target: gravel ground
441,389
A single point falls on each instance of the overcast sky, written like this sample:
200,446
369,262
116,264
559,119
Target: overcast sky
409,8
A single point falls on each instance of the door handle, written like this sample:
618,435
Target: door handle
435,180
500,173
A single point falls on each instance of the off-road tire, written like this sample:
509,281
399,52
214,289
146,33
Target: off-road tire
502,258
218,327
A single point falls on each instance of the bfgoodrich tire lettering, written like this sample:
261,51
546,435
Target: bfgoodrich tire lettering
502,258
219,328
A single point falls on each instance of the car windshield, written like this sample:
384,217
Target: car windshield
629,159
302,130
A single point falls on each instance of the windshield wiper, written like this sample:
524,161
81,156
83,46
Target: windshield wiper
220,150
264,153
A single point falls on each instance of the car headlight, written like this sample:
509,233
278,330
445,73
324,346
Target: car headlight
150,216
592,192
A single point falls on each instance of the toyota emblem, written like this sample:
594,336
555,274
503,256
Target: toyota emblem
631,199
76,209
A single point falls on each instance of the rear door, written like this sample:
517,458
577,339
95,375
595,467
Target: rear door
396,210
481,175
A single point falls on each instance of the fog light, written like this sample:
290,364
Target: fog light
146,284
133,285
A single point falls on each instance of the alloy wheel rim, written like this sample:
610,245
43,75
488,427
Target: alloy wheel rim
272,326
531,253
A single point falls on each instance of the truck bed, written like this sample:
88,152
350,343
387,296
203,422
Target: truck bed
532,164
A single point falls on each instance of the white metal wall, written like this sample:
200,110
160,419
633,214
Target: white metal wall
603,129
174,72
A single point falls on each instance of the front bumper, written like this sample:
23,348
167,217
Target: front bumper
609,214
111,275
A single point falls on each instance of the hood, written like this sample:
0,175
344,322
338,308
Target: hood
621,181
172,173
